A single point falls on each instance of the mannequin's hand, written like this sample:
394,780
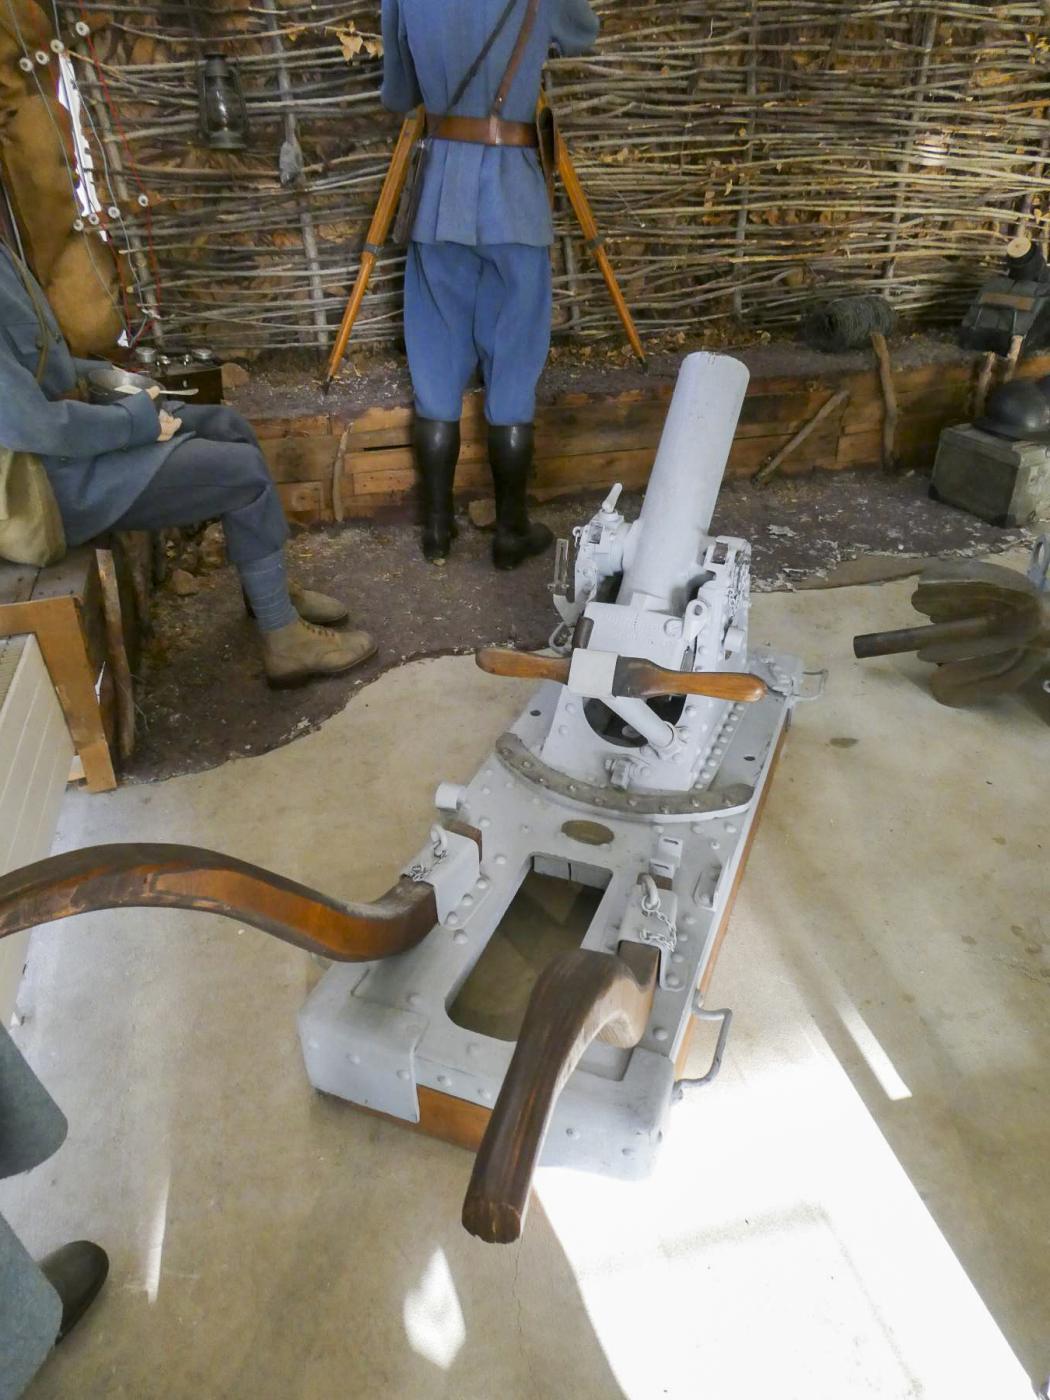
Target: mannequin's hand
153,391
169,426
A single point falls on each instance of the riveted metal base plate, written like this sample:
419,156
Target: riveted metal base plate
611,1116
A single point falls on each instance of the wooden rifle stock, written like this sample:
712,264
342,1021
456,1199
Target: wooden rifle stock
581,207
578,996
147,875
378,229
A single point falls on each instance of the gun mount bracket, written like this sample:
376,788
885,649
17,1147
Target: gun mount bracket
515,756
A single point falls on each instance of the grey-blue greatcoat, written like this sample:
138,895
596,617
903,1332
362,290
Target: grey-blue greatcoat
99,458
31,1129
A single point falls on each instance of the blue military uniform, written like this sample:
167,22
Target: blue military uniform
477,272
98,458
32,1127
477,280
106,465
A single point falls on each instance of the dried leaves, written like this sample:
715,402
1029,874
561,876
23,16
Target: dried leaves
356,45
739,157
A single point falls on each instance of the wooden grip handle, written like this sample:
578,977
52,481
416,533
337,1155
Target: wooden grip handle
633,679
640,680
578,996
523,665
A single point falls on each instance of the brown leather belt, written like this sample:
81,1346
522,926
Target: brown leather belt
482,131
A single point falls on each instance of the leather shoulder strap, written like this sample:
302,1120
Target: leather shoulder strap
472,72
524,34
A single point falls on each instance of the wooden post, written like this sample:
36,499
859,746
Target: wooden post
768,469
117,652
61,635
889,400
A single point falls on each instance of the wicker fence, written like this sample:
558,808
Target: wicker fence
741,156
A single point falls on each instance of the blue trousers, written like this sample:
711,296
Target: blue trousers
220,471
31,1129
468,306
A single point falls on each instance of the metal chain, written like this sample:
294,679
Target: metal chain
422,869
666,939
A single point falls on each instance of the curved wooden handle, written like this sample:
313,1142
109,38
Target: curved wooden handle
140,876
577,996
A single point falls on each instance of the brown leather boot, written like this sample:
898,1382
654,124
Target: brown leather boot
302,652
317,607
311,606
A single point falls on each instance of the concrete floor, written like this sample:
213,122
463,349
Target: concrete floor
857,1208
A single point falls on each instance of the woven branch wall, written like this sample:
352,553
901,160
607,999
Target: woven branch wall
741,156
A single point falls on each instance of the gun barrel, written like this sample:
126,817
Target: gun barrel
685,480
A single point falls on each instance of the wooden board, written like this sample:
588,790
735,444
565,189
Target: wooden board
586,441
463,1123
63,611
723,927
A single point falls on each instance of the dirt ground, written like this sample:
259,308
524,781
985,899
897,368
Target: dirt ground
202,698
290,385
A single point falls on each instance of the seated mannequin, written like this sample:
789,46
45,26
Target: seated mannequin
135,466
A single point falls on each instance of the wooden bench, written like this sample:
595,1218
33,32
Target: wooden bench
64,608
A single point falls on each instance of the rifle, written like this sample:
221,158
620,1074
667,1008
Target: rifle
378,229
581,207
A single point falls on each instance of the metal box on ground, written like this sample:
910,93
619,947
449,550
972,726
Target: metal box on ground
1003,482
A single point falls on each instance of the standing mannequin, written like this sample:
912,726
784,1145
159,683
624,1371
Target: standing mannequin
478,274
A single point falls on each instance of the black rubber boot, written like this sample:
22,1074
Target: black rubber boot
437,452
76,1272
510,457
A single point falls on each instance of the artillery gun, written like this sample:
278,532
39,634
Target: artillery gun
635,772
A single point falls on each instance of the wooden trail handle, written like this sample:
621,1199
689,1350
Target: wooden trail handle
146,875
578,996
378,229
633,677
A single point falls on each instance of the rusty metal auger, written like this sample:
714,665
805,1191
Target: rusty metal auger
989,632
